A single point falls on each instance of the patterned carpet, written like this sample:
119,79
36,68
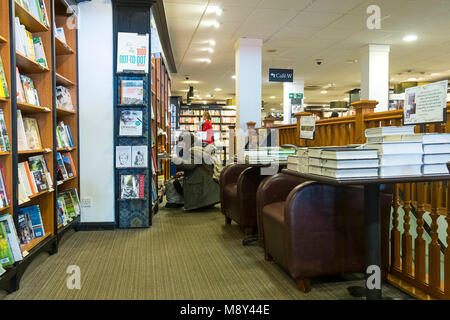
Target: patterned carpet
182,256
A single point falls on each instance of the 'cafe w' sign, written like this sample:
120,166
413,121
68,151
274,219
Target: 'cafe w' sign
281,75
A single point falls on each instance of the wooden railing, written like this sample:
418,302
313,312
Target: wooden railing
409,261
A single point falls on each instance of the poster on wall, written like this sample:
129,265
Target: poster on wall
425,104
132,52
307,127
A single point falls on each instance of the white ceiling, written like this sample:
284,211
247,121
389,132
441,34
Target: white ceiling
301,31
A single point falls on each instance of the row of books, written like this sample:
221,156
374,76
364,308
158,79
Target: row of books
65,167
5,145
34,177
4,92
64,136
10,251
37,9
26,91
390,152
28,137
29,46
63,98
68,205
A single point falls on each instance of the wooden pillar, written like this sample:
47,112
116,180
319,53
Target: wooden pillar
298,116
268,122
362,108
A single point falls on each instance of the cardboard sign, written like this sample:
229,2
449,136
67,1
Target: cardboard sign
132,52
426,104
307,127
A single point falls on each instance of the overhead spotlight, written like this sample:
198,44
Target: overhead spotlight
434,74
210,50
410,38
217,89
207,60
212,23
272,97
208,95
212,43
233,77
324,92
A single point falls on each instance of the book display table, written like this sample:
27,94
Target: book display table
371,210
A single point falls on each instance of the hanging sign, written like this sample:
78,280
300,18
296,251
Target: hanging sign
307,127
132,52
281,75
426,104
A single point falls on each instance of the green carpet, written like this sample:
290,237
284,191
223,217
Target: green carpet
182,256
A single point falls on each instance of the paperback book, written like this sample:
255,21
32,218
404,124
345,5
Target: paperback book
33,220
130,123
11,235
132,92
132,186
4,92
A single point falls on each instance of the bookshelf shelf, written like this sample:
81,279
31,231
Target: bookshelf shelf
62,48
26,65
4,100
30,108
28,20
36,151
64,112
33,243
63,81
66,149
66,180
3,40
5,208
5,153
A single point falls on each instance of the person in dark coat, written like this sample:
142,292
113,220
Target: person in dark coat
199,167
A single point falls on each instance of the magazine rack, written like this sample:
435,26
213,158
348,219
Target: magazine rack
133,207
62,70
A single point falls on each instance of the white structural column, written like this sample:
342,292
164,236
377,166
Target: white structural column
248,82
290,87
375,75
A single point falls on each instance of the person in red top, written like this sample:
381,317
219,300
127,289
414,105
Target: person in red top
208,128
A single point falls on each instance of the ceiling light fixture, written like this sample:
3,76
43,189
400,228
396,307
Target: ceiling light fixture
324,92
210,50
212,43
434,74
214,9
217,89
208,95
207,60
233,77
212,23
272,97
410,38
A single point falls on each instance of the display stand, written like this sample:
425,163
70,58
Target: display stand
61,69
133,209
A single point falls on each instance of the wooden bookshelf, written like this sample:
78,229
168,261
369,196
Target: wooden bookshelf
62,66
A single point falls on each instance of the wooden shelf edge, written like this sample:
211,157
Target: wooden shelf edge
24,106
3,39
66,180
62,48
61,111
34,151
29,66
33,243
4,99
61,80
68,149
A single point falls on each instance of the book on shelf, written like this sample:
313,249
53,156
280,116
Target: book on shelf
64,136
68,206
401,170
4,195
4,92
11,235
385,131
32,135
30,92
6,255
396,148
20,93
30,224
61,172
24,178
60,34
61,218
39,52
38,163
400,159
130,123
348,153
438,168
39,173
37,9
5,146
132,186
154,194
68,164
63,98
131,92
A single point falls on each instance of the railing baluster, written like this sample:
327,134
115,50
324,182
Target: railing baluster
406,236
434,253
419,243
395,233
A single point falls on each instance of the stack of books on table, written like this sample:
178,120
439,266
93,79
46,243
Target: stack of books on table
268,155
399,150
346,162
436,149
299,161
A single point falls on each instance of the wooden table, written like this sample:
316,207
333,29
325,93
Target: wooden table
371,210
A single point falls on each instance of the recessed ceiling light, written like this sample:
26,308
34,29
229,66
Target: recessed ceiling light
214,9
212,43
217,89
412,79
212,23
410,38
272,97
233,77
434,74
207,60
211,50
324,92
272,109
190,82
208,95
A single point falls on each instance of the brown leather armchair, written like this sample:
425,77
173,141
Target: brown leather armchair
238,186
317,229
